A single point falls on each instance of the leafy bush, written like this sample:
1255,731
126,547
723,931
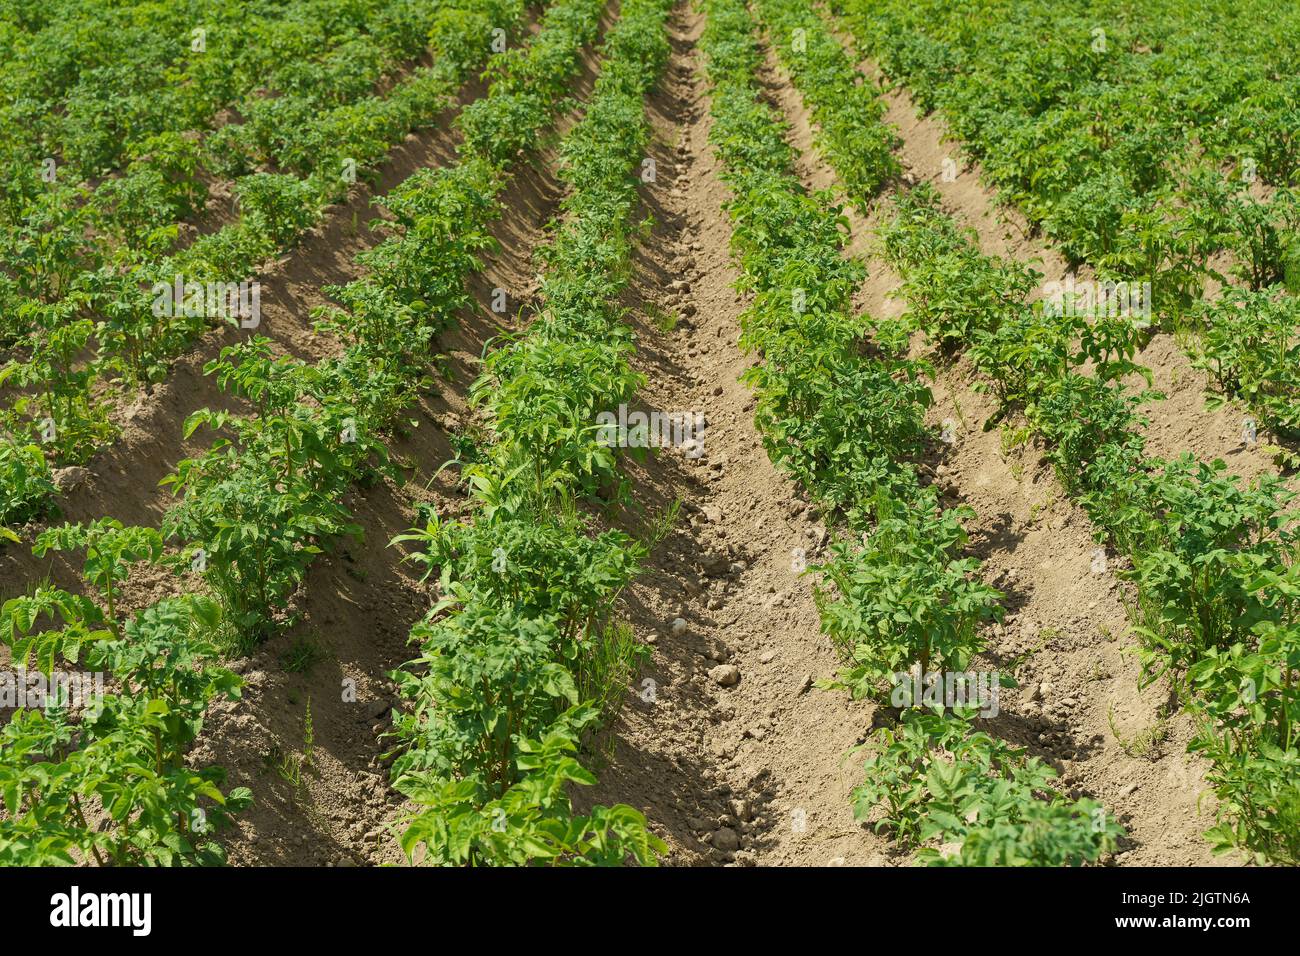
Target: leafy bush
938,779
119,758
25,483
1251,350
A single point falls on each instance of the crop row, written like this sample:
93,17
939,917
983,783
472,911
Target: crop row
1089,118
1208,551
60,228
99,80
524,657
256,501
255,510
843,415
1212,555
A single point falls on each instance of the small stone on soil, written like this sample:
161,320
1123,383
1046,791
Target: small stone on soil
725,675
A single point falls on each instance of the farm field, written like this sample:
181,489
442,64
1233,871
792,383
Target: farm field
660,432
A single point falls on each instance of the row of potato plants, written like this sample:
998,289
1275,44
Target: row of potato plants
51,243
1212,556
168,180
259,501
91,777
60,411
254,512
1135,144
1095,121
844,415
414,286
523,658
82,80
267,493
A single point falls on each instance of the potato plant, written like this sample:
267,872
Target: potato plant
935,777
120,758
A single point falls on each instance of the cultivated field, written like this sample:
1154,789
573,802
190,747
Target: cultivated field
692,432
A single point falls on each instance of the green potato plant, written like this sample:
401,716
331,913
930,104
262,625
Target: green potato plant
120,758
936,779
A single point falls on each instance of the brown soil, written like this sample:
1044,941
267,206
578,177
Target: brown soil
753,773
